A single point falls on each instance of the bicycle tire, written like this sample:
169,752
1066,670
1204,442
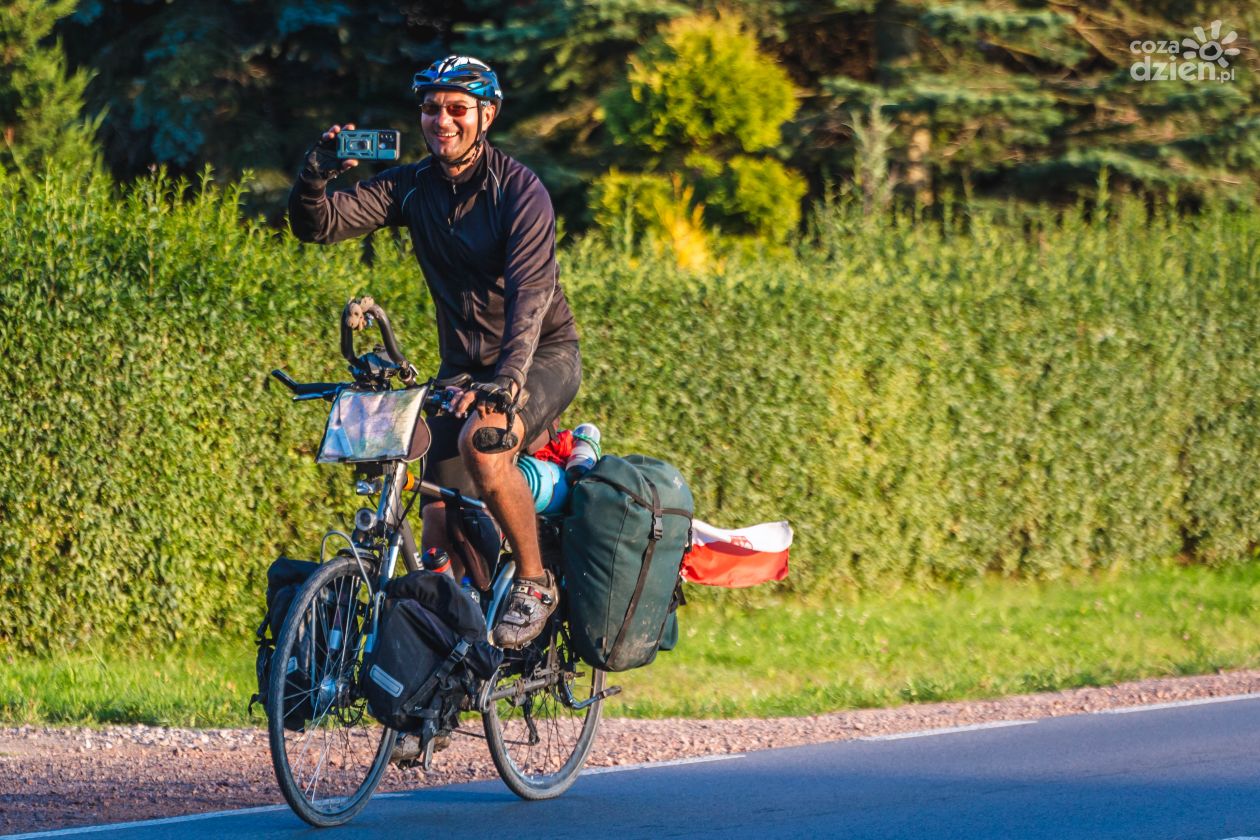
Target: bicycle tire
548,763
330,766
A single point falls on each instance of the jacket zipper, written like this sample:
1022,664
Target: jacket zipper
474,338
450,216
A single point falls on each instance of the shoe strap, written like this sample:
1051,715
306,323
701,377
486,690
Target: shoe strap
525,588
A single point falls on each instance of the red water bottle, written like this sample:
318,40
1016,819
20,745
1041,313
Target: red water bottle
436,560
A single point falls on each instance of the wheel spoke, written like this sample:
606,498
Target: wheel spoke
539,741
329,764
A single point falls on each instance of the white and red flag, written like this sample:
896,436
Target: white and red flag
739,558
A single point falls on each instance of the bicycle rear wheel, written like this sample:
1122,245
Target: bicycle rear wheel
537,729
328,752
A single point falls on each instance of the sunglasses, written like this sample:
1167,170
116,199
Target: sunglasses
454,109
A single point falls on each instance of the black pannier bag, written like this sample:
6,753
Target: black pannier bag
431,638
623,548
284,578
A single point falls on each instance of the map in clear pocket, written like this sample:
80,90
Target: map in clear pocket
371,425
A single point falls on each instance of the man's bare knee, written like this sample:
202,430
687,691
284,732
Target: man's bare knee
486,468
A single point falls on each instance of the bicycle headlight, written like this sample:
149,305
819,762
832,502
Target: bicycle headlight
366,520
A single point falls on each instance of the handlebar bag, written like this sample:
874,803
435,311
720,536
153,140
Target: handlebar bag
375,426
623,546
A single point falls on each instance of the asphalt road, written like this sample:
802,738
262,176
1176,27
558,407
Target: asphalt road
1186,771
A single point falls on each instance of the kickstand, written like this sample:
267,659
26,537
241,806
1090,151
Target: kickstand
529,721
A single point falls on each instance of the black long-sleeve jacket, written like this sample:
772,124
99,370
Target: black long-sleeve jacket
487,248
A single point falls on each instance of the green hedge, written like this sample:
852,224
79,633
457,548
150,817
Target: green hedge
924,402
929,402
150,473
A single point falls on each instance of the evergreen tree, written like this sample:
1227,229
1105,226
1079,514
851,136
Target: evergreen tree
1039,101
558,57
40,102
249,84
702,108
1034,98
555,58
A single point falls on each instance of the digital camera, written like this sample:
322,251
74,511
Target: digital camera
368,144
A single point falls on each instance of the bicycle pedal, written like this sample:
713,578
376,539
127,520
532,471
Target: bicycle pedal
406,753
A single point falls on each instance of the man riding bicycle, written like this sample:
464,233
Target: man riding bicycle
483,230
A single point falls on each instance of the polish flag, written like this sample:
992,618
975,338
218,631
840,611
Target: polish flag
739,558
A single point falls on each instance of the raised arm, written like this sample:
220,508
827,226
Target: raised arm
317,216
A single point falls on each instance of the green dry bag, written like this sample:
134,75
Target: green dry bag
623,546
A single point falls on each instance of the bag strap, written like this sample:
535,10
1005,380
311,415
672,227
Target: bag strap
263,640
456,656
653,538
676,600
680,598
639,500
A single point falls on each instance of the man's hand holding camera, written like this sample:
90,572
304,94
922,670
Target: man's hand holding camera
321,157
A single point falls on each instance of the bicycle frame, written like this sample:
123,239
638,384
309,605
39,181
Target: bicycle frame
391,511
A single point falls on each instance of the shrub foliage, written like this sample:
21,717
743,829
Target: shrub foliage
698,102
923,402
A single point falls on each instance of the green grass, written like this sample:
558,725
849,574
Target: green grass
991,639
208,685
776,658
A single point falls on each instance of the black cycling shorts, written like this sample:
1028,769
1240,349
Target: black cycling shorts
552,383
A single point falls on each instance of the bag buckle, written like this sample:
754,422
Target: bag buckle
658,527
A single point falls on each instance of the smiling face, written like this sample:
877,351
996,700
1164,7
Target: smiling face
449,137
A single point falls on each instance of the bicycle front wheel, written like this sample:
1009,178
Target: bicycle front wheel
329,754
541,714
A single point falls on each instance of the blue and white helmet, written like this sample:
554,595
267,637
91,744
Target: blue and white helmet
462,73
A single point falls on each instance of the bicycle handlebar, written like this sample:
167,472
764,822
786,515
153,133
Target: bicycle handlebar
359,314
310,390
486,439
498,396
436,399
